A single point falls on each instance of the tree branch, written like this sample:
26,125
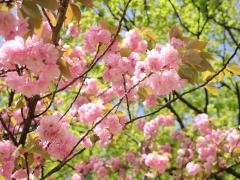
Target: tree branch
32,102
61,18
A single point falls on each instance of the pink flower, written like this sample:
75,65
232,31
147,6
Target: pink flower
115,163
202,124
90,87
165,120
104,136
130,157
95,35
140,124
233,139
19,174
61,147
8,24
50,129
8,153
177,43
86,142
134,42
78,52
157,162
89,112
73,30
170,56
207,151
151,128
164,82
154,60
166,148
38,57
112,123
102,172
193,168
77,177
150,101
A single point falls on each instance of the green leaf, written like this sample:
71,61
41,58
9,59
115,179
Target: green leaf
212,89
234,68
48,4
20,103
31,10
64,68
186,71
76,12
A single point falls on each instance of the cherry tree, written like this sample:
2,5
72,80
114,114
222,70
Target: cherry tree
87,97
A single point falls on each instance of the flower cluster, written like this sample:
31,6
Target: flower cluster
8,153
56,138
11,26
33,62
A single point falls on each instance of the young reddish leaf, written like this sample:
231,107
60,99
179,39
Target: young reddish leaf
204,66
87,3
76,12
192,57
206,55
196,44
175,32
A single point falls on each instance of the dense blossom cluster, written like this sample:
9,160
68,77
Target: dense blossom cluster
115,79
34,62
12,26
57,140
8,153
204,160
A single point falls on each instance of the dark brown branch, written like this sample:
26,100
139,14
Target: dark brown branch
75,98
48,19
206,100
188,103
126,96
51,102
179,119
26,163
8,131
61,18
180,20
32,102
10,98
